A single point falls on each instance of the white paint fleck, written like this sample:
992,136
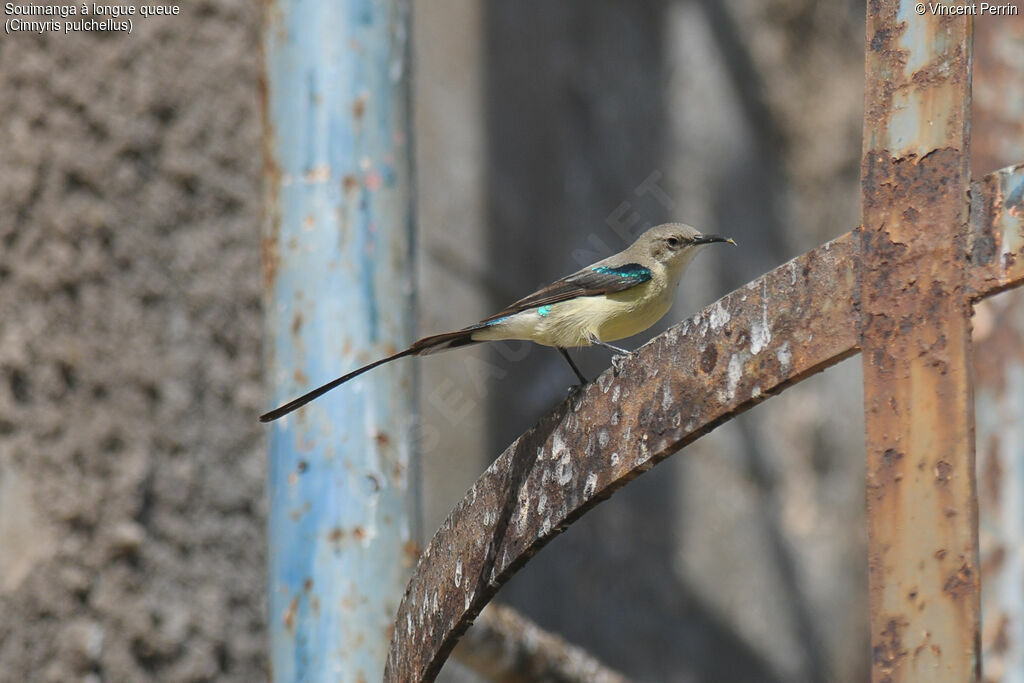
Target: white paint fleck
760,331
785,355
666,397
719,316
521,513
615,393
614,459
458,573
563,458
590,486
733,376
542,503
603,438
755,392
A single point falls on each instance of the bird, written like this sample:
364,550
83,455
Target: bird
612,299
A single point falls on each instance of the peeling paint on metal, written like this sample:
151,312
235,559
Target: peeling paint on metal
914,331
332,303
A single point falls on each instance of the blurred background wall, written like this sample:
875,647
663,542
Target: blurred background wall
132,468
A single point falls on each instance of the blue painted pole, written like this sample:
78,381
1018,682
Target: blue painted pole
337,255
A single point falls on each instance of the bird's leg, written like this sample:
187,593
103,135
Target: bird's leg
568,359
620,354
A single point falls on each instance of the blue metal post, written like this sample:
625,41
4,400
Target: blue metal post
337,254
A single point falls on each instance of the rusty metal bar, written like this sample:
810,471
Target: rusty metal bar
915,335
337,248
997,139
999,368
997,232
505,646
786,325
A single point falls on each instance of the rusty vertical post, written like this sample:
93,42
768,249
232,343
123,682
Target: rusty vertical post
337,255
916,346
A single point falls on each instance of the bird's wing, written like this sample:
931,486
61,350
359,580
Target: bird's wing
591,281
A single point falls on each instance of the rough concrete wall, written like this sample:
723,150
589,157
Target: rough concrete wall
131,465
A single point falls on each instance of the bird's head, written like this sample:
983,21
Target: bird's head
674,244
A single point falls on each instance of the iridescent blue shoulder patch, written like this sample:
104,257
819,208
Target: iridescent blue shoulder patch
632,271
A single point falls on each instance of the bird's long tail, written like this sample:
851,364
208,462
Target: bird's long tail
433,344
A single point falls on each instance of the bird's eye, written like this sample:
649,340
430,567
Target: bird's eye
674,242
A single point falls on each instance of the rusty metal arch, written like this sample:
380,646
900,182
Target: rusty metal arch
777,330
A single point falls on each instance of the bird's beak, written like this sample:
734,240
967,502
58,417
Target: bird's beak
709,239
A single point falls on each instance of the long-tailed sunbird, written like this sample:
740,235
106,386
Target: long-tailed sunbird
612,299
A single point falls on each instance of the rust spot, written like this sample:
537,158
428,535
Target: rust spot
300,377
302,466
289,615
940,553
359,106
888,653
359,533
270,258
943,471
410,553
315,604
297,323
923,645
961,583
307,585
887,473
297,513
349,183
382,439
709,358
336,535
912,595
